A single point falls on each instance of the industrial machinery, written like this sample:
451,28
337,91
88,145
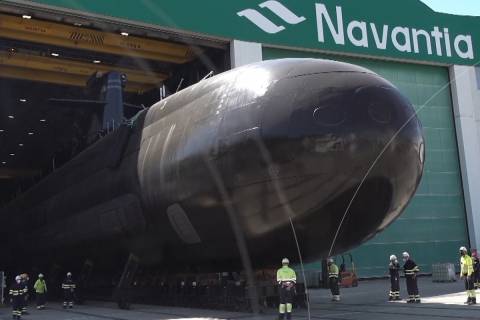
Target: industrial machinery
348,275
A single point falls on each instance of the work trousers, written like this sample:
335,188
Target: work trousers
333,284
286,301
41,299
17,305
68,295
470,288
25,304
476,279
394,287
412,288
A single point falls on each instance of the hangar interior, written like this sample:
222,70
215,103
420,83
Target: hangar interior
48,111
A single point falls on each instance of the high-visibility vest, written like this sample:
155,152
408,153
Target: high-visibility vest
286,274
40,286
466,265
333,271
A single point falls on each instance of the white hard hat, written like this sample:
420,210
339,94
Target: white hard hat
330,260
69,274
40,275
405,254
463,249
285,261
393,257
18,278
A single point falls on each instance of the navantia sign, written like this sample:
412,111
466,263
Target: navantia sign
405,29
436,41
333,28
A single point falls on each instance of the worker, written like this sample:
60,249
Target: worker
40,291
394,268
24,280
476,269
333,279
286,279
17,297
411,269
466,272
68,287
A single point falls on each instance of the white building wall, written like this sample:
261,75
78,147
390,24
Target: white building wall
242,53
466,104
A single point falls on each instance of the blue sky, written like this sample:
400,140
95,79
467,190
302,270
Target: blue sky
463,7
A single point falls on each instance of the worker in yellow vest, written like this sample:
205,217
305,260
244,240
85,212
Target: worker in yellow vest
40,291
466,272
333,279
286,279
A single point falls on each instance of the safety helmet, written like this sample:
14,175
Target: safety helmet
405,254
285,261
18,278
393,257
330,260
69,274
463,249
40,275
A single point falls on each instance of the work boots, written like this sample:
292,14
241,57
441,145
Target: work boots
472,301
469,300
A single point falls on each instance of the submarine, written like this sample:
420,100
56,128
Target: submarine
276,158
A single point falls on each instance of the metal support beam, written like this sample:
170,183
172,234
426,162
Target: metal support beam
62,35
66,72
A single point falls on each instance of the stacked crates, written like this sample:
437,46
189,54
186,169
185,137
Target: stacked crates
443,272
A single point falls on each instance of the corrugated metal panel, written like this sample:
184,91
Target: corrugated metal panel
433,226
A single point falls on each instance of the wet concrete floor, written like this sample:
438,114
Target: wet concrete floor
440,301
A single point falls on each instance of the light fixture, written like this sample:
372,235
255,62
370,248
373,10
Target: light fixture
1,130
23,100
11,117
54,54
43,120
20,144
30,133
26,16
125,34
12,154
96,61
4,162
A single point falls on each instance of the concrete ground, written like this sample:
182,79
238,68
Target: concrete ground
440,301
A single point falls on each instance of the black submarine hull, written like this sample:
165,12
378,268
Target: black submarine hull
247,157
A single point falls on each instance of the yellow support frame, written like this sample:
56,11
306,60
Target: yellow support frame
66,72
52,33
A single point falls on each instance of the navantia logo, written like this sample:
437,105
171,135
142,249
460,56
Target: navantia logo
267,25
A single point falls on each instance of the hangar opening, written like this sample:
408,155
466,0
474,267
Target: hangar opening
54,71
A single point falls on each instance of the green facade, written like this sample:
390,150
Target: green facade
433,226
407,29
